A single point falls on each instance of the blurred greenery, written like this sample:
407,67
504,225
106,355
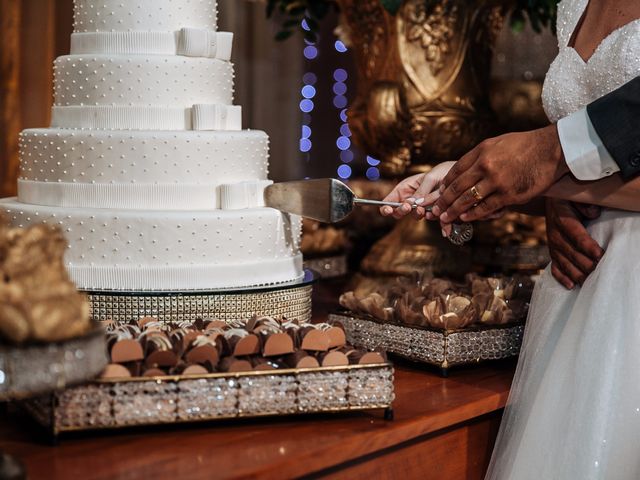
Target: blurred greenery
541,14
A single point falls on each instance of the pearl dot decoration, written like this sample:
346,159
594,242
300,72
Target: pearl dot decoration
134,80
194,165
143,15
114,251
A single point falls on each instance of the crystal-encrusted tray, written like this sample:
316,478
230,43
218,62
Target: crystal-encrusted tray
177,399
35,369
442,348
289,300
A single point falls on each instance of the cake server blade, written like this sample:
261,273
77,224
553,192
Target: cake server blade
329,200
326,199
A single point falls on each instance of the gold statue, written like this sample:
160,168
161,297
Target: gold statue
38,301
422,98
423,79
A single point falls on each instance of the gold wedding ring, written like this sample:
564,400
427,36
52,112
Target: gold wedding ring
476,194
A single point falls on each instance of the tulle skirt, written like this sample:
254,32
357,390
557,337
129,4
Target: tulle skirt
574,407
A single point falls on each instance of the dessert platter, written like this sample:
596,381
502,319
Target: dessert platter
148,173
211,370
437,321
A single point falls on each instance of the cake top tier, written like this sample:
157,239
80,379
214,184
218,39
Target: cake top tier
143,15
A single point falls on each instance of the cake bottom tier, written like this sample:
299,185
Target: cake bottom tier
171,250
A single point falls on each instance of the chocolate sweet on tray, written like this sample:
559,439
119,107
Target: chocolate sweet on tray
444,304
148,348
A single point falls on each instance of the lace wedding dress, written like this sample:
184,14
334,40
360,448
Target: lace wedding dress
574,408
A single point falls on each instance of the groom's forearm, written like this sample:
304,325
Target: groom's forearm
610,192
616,119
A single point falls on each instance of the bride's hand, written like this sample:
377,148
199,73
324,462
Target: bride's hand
574,254
421,189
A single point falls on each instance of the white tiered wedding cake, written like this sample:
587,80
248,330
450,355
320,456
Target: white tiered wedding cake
145,167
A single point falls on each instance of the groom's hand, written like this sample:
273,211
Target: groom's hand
506,170
574,254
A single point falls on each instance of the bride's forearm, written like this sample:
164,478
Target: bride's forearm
612,192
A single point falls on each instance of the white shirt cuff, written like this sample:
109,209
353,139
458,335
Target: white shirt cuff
586,156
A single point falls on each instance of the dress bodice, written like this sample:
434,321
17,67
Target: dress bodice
571,83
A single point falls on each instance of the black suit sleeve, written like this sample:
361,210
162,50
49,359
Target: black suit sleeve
616,119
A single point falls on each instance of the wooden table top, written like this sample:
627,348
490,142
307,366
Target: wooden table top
268,447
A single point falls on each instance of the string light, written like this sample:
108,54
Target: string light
340,47
339,91
344,171
308,93
340,101
373,173
310,52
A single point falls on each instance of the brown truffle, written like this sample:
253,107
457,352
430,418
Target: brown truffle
124,351
114,370
278,344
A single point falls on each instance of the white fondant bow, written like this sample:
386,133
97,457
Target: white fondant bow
191,42
237,196
199,42
216,117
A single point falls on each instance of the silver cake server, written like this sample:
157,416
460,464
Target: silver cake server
329,200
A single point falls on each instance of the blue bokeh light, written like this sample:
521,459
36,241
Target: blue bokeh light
306,105
340,101
344,171
339,88
308,91
345,131
310,52
305,25
306,132
340,47
346,156
343,143
343,115
340,75
373,173
309,78
305,145
373,161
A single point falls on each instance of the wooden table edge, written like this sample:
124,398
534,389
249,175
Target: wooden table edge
367,443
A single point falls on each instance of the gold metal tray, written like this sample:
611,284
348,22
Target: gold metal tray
442,348
119,403
290,300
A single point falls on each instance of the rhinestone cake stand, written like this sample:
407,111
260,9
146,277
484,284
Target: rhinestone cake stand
291,300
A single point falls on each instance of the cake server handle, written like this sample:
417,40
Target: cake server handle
381,203
461,233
